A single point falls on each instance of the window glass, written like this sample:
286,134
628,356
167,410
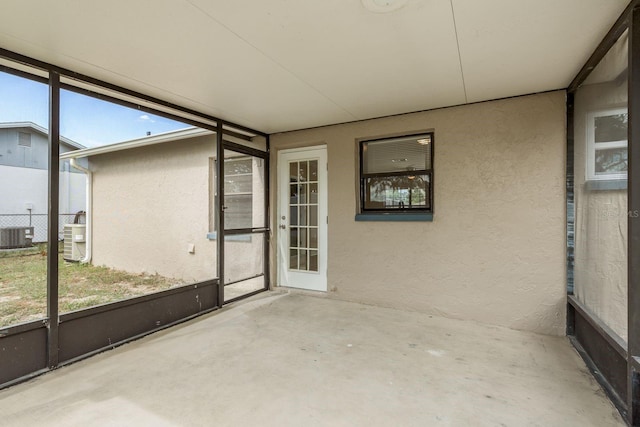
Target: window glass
397,154
397,192
244,178
238,192
397,174
607,144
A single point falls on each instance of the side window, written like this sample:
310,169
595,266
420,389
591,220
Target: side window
238,193
607,144
396,175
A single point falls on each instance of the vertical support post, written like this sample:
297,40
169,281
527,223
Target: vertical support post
219,211
570,211
52,237
633,260
267,220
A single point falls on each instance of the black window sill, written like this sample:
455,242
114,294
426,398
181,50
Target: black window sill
395,216
606,185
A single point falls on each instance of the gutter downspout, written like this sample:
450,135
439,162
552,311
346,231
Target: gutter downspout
89,191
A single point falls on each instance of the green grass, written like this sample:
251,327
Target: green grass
23,285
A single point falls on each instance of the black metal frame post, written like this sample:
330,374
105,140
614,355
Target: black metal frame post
633,263
52,238
219,211
570,207
267,218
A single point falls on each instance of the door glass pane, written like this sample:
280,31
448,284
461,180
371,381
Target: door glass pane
313,260
303,215
303,259
313,238
304,189
293,172
303,237
293,259
303,220
293,193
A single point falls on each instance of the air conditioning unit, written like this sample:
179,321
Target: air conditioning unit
16,237
75,241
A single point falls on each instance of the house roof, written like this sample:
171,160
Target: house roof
41,130
160,138
278,65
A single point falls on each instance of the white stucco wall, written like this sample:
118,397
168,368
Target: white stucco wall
22,186
149,204
495,251
19,186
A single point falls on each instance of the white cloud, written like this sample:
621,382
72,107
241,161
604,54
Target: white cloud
145,117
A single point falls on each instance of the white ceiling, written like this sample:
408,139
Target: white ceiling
278,65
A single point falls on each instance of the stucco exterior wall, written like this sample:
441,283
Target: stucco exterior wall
149,204
495,251
601,221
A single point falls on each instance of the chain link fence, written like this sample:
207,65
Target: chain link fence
39,222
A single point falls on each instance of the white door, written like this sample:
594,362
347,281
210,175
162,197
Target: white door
302,218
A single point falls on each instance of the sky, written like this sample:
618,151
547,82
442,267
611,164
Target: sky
88,121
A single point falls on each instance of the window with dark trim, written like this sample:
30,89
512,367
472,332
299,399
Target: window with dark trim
396,175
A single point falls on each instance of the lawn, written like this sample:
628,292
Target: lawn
23,285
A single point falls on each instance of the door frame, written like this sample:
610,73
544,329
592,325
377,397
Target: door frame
323,245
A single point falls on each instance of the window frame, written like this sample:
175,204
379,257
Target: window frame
237,195
591,145
396,213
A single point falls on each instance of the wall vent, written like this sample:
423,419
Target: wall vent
24,139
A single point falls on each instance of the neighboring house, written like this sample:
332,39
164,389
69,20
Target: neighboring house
153,202
24,151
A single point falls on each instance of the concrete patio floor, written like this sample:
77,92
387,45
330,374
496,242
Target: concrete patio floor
291,359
